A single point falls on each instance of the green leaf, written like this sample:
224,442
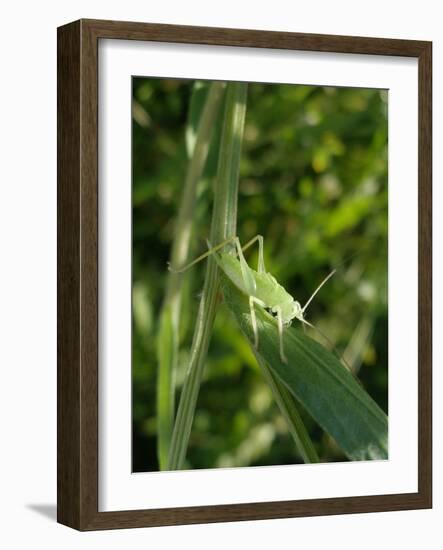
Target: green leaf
327,390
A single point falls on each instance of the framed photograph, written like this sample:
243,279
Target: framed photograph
244,275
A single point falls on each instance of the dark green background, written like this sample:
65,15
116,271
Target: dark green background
313,182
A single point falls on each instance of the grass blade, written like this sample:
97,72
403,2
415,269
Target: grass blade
224,219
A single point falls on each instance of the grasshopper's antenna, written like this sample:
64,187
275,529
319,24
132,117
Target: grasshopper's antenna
334,349
317,289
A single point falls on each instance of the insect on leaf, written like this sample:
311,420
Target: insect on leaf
327,390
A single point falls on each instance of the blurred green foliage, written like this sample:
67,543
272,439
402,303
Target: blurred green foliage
313,182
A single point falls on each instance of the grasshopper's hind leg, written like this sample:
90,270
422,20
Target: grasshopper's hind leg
261,263
252,301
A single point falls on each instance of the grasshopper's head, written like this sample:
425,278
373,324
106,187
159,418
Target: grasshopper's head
291,310
296,311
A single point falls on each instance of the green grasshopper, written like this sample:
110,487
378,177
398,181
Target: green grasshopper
260,286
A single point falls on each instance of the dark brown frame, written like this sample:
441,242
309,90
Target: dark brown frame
77,455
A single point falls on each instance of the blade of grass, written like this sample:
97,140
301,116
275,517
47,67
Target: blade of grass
168,336
289,410
224,220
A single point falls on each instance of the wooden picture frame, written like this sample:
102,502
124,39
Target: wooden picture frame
78,274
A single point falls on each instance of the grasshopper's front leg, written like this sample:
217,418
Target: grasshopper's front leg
280,333
252,301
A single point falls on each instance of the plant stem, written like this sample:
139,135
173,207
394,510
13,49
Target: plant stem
288,408
168,337
224,221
